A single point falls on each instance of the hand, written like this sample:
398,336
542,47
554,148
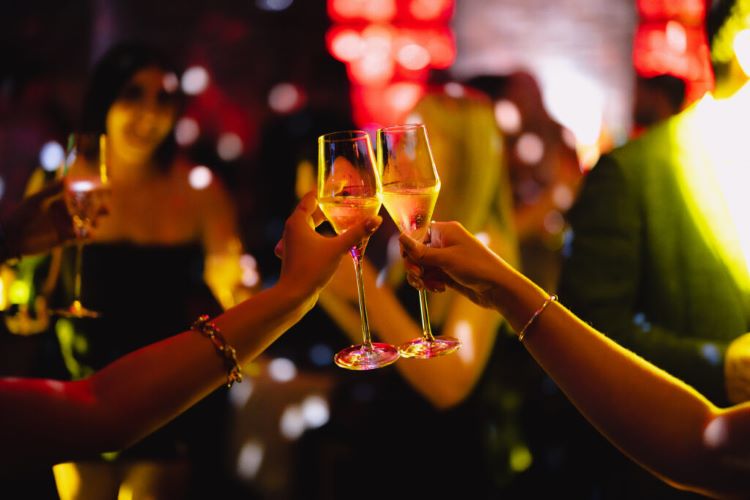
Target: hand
737,369
309,259
40,222
455,259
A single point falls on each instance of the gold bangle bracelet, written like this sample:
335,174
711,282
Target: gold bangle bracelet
547,301
228,354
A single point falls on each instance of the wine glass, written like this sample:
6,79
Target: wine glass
410,190
85,170
349,191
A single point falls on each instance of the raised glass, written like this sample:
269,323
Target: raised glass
410,190
349,191
85,170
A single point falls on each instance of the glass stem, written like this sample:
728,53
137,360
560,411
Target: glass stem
77,279
426,328
357,254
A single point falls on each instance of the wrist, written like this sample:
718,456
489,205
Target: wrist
294,295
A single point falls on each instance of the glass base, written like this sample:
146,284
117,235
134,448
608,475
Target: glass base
424,349
76,310
359,357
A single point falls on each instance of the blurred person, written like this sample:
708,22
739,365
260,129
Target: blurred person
544,169
427,416
657,420
656,260
47,421
167,251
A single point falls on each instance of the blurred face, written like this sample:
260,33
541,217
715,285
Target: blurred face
142,115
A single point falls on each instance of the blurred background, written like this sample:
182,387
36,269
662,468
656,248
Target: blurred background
264,78
248,64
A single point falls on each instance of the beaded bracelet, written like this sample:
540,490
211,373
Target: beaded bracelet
547,301
209,329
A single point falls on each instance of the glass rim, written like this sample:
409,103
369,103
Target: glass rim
403,127
344,135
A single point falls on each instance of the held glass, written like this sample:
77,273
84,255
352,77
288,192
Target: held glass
85,170
410,189
349,191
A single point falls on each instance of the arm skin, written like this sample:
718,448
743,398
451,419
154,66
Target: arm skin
657,420
51,421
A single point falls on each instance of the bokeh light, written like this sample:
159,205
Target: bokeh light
200,177
282,370
229,146
186,131
195,80
51,156
285,98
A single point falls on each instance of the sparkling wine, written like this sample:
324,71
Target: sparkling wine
343,212
410,206
85,199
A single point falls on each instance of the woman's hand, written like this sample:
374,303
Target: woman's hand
455,259
40,222
309,259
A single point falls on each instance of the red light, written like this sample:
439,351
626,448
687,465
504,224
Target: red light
413,57
362,10
689,11
402,97
345,45
428,10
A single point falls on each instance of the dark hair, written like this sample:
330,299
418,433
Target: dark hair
672,87
110,74
721,23
717,13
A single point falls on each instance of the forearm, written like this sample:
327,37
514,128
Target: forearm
651,416
156,390
138,393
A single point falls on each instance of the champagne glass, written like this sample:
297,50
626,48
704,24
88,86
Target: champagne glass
349,191
410,190
85,170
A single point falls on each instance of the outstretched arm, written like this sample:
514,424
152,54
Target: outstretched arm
658,421
52,421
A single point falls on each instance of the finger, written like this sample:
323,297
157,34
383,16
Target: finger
308,204
359,232
415,281
413,268
414,250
